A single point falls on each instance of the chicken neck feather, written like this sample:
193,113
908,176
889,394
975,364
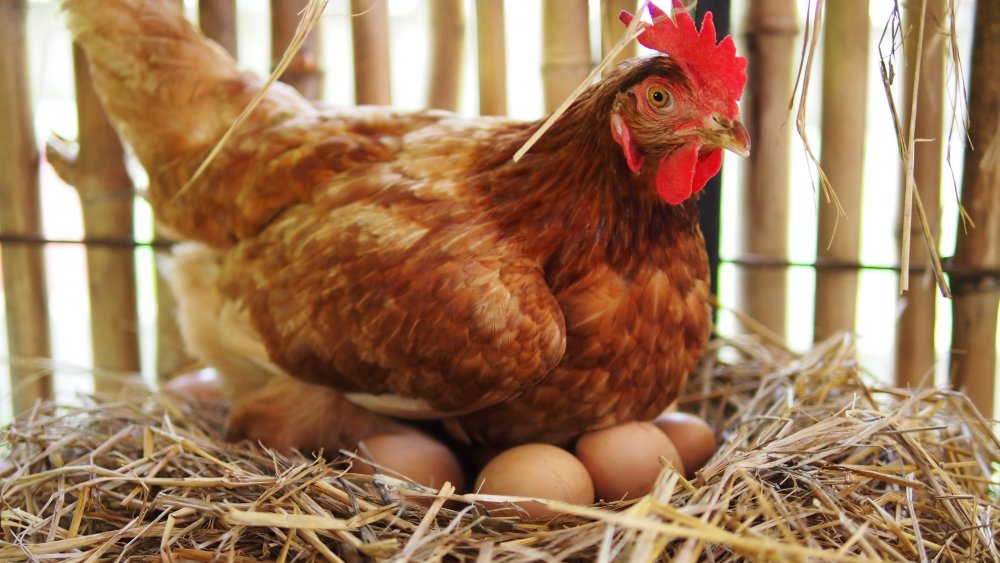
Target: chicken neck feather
573,197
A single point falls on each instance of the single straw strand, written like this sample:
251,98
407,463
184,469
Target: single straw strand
904,258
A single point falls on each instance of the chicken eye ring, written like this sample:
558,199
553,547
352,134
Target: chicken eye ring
658,97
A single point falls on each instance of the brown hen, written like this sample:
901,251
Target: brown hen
364,260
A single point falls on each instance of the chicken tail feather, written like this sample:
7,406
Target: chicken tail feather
172,94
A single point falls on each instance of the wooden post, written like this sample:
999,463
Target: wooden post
845,95
370,31
20,213
492,55
915,330
98,173
772,47
305,72
612,30
976,297
217,19
565,48
447,53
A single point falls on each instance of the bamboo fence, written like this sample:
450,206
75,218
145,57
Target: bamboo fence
773,45
97,170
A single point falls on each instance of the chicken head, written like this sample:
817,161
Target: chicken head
680,118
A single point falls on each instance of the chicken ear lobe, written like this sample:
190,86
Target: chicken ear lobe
623,136
682,173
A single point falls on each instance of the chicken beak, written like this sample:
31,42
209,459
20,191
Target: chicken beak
736,138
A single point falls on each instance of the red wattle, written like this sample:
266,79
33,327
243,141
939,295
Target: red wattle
705,169
681,174
675,174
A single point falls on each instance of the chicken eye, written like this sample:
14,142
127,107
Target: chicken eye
658,97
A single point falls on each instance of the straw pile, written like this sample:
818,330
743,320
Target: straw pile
817,463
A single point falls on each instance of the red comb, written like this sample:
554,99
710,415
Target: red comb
715,67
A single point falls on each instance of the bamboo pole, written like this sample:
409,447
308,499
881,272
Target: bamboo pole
772,46
217,19
612,30
492,55
20,213
305,72
370,33
915,355
99,175
565,48
845,95
447,53
976,297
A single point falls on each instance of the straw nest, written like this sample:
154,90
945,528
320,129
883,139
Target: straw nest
817,462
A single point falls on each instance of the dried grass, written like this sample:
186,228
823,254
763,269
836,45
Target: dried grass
817,463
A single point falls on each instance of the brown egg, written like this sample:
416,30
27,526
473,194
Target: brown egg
535,470
693,437
623,460
414,455
202,386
